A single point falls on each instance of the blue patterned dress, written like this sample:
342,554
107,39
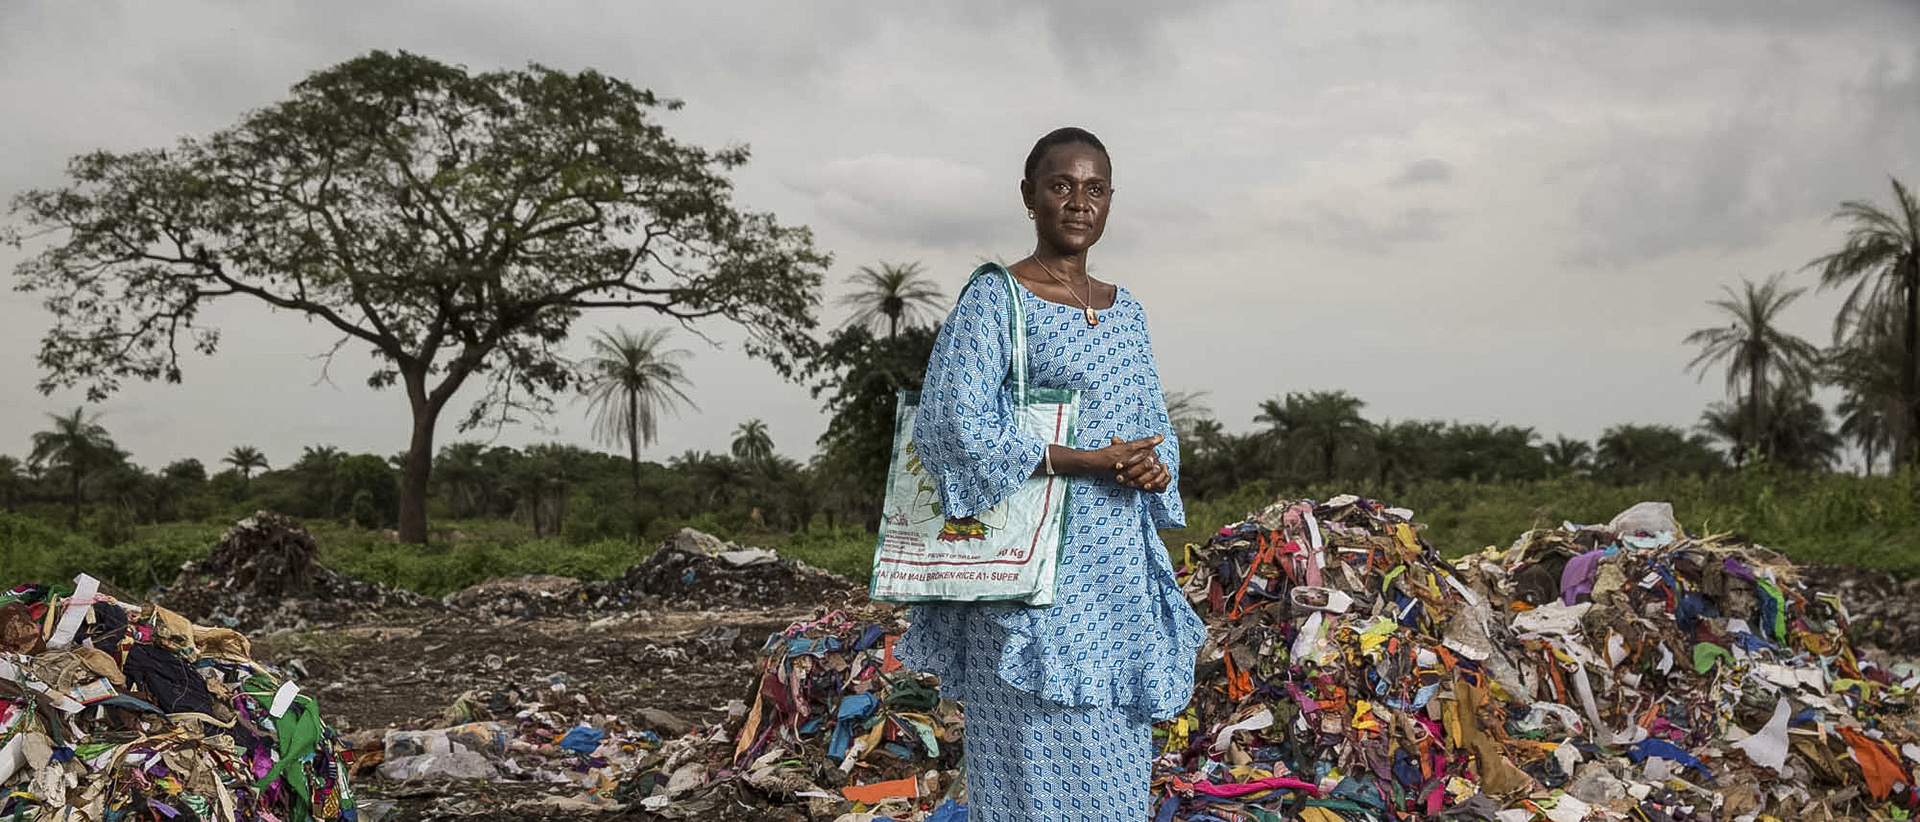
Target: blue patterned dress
1060,700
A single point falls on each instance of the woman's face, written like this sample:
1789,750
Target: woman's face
1070,194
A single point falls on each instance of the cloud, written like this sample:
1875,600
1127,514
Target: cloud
925,201
1424,171
1372,232
1663,183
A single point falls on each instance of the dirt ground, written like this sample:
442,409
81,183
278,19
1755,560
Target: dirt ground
405,671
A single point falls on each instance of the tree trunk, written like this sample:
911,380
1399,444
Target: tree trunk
73,514
1909,452
413,478
633,438
1756,383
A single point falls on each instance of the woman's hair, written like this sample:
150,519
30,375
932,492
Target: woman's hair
1061,137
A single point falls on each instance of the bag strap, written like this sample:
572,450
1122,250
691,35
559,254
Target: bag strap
1016,327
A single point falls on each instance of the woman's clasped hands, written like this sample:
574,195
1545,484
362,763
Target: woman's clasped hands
1136,465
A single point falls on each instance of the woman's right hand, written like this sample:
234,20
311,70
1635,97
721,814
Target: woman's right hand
1131,463
1135,464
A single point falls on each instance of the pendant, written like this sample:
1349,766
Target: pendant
1092,320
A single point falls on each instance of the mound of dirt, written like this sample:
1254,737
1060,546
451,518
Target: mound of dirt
698,571
265,575
523,597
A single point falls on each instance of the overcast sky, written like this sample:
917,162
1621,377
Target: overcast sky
1489,211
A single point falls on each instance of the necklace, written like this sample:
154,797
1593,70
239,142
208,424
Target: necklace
1086,304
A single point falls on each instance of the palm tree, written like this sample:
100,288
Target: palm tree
1403,450
460,472
630,379
1866,368
1881,259
1325,420
1869,424
1186,412
1568,457
751,443
1750,346
1631,453
246,459
895,292
77,446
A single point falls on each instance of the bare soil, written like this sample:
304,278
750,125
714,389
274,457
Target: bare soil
405,673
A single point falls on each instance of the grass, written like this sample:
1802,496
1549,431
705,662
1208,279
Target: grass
1871,522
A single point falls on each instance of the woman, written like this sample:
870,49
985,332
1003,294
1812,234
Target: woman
1060,701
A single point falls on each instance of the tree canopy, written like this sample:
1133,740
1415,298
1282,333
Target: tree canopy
453,223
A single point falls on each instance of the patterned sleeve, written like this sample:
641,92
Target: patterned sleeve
1166,507
965,433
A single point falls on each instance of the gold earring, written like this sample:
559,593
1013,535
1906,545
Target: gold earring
1029,213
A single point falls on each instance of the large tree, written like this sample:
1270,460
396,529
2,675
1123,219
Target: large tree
1757,354
892,295
1881,260
75,448
456,224
631,379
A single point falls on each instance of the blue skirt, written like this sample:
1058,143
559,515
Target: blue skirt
1029,759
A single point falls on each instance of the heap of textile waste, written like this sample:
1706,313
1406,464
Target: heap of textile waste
835,723
110,711
1602,672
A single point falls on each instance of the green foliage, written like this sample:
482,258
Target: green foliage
1880,267
33,551
861,377
372,490
447,567
1628,454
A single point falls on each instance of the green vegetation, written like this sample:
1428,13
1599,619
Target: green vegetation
1827,518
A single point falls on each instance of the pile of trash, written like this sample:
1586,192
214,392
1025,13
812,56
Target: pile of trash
1599,672
832,724
265,575
529,596
691,571
835,726
1880,606
116,711
699,571
538,736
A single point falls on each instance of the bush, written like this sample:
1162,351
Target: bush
33,551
